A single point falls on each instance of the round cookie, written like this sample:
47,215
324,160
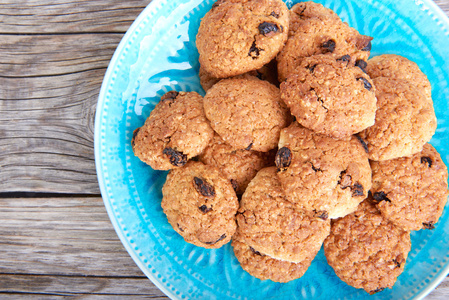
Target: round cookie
239,166
330,96
303,11
315,36
246,113
366,250
237,36
330,177
270,224
411,191
405,120
175,131
267,72
265,267
200,204
399,67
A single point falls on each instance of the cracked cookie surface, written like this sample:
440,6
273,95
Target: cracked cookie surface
330,96
175,131
200,204
237,36
366,250
246,113
411,191
270,224
321,174
405,120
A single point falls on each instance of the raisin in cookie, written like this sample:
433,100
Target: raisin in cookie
175,131
200,204
239,166
270,224
405,120
399,67
330,177
411,191
366,250
264,267
317,36
330,96
237,36
246,113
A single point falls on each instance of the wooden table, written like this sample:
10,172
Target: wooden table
56,239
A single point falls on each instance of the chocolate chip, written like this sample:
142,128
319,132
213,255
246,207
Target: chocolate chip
235,185
380,196
217,3
249,147
135,132
283,159
377,290
203,187
169,96
366,83
311,68
426,160
254,251
269,29
345,58
177,158
254,52
361,64
274,14
364,144
429,225
357,190
328,46
322,214
219,239
204,209
367,47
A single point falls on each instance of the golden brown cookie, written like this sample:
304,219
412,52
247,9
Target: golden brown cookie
303,11
405,120
366,250
175,131
264,267
200,204
330,96
239,166
270,224
399,67
328,36
327,176
237,36
411,191
246,113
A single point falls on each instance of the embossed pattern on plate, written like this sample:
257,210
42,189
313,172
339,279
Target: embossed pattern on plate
158,54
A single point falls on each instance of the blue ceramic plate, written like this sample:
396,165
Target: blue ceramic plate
158,54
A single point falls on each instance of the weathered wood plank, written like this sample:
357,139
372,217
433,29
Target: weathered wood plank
63,16
66,236
63,286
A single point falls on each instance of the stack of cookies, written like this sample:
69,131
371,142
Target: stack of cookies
299,142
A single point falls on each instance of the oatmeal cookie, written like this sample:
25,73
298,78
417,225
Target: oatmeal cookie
270,224
330,96
239,166
304,11
175,131
327,176
246,113
366,250
237,36
405,120
411,191
200,204
264,267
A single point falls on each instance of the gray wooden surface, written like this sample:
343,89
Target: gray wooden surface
55,237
